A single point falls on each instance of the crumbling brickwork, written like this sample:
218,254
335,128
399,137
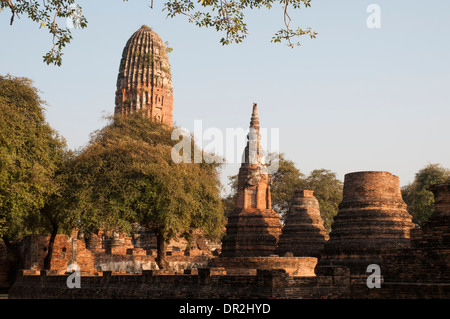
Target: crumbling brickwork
419,271
67,250
428,259
144,81
303,233
253,227
372,220
294,266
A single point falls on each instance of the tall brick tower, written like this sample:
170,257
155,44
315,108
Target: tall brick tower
144,81
253,227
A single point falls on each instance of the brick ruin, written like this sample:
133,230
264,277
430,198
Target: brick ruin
372,220
259,258
416,268
303,233
428,257
144,81
253,227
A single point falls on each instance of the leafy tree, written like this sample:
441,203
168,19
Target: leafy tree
59,215
46,14
226,16
30,155
286,180
418,197
126,175
328,191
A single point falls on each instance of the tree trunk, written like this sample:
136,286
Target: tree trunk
19,263
189,243
48,258
161,250
15,250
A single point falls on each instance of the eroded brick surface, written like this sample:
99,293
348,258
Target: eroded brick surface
303,233
144,81
253,228
371,221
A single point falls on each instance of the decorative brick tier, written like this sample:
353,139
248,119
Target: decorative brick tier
303,233
372,219
251,232
294,266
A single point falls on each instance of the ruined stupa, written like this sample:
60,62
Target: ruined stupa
253,227
372,220
428,260
303,233
144,81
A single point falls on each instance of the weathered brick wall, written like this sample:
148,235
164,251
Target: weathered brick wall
138,263
295,266
213,284
67,250
428,259
151,285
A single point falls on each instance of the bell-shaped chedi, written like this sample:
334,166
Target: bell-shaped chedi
303,234
144,81
253,227
372,220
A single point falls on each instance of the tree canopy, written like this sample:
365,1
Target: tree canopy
48,14
126,175
328,191
286,180
32,157
225,16
418,197
30,154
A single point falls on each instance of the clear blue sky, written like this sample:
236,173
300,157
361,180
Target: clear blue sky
353,99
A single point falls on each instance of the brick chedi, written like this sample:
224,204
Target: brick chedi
428,259
253,227
144,81
303,233
372,220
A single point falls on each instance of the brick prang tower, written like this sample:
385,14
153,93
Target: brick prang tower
144,81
